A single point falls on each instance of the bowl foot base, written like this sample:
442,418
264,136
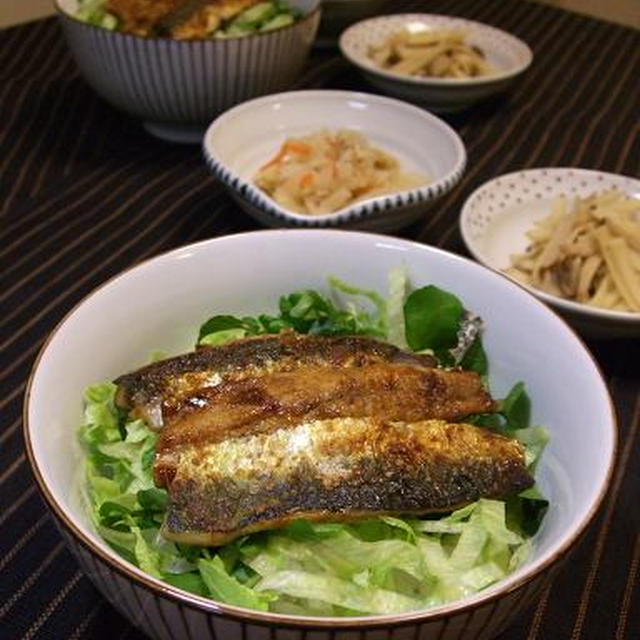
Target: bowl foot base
180,133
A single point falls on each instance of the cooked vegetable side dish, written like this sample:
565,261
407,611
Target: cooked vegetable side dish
326,171
303,463
439,53
187,19
588,252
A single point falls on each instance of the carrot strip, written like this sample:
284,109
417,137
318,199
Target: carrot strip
297,148
307,179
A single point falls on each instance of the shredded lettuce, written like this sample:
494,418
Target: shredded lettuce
377,566
93,12
398,285
226,588
347,310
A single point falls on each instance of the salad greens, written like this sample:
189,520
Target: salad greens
94,13
377,566
305,312
261,17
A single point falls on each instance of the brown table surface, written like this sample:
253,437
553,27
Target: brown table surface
85,193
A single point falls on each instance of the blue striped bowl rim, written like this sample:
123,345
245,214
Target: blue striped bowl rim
373,207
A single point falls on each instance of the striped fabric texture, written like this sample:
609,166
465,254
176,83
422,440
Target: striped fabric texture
85,193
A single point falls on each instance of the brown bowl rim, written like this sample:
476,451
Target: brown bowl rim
209,606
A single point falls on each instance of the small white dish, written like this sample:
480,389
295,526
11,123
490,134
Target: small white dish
497,215
241,140
508,55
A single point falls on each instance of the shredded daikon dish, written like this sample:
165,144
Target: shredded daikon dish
326,171
589,254
439,53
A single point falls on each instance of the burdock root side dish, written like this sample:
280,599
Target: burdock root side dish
587,251
436,53
303,462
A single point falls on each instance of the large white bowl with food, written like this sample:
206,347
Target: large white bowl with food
507,56
176,86
160,303
248,136
497,216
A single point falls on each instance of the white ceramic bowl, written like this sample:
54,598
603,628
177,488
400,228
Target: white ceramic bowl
508,55
177,86
161,302
245,137
497,215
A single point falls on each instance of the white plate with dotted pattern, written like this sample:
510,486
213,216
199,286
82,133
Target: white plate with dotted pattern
497,215
508,56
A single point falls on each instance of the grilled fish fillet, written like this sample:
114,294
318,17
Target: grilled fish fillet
258,404
208,18
140,17
341,469
181,19
163,387
264,430
258,385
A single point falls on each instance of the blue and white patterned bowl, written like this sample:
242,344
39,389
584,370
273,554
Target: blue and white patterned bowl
245,137
177,86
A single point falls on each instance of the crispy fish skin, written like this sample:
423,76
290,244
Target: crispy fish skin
341,470
263,403
145,392
140,17
206,19
180,19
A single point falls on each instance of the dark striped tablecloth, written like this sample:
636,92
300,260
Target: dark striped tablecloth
85,193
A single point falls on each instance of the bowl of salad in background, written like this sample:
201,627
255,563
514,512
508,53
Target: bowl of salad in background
441,62
367,175
163,303
178,64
